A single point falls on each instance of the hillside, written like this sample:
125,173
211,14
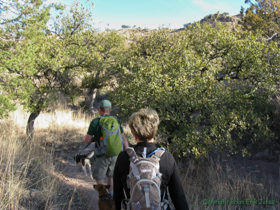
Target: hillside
225,18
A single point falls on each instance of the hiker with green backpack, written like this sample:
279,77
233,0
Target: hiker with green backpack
143,173
107,133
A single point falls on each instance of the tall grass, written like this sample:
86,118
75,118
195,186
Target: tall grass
28,178
12,168
211,185
29,171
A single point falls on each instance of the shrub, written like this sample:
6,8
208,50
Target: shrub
211,87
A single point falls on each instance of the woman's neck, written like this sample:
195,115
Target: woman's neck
149,141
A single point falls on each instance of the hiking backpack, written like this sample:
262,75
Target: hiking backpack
144,180
111,141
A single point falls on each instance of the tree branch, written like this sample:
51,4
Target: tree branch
273,37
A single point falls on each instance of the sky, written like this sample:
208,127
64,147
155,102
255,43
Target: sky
154,14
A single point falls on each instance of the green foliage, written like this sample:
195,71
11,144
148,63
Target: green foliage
38,62
105,50
210,86
262,15
5,106
22,36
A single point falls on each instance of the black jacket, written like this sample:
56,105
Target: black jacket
168,168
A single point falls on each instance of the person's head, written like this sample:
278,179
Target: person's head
105,107
144,124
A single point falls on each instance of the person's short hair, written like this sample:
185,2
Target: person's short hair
144,124
105,105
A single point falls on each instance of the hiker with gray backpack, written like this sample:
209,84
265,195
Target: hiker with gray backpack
143,173
110,140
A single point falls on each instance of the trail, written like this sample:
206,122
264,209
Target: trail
73,175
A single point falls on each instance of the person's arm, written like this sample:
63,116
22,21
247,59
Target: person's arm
88,139
92,131
125,142
176,190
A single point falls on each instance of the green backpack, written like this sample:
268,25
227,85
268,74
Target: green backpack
111,141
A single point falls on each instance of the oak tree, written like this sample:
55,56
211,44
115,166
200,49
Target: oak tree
211,86
39,61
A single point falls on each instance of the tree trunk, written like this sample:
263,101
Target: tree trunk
30,124
93,96
32,117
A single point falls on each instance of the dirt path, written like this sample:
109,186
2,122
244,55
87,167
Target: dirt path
73,176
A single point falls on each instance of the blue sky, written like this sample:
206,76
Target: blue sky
153,14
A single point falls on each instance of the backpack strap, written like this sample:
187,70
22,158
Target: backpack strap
130,151
144,154
98,129
133,159
158,152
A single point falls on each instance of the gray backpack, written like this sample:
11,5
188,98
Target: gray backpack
144,180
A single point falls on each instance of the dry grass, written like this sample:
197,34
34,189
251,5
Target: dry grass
28,170
29,174
205,182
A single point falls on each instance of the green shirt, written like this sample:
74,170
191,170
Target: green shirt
94,128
